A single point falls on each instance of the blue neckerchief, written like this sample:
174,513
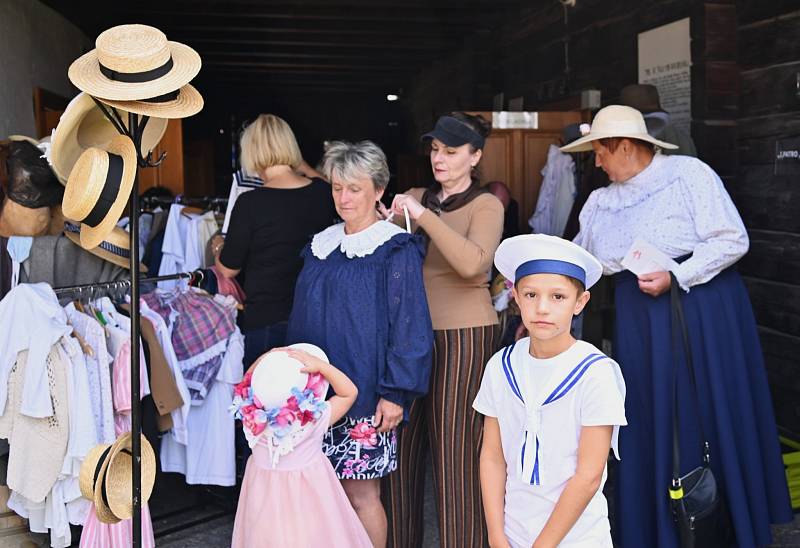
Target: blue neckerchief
529,465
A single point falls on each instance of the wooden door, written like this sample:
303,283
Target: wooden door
170,173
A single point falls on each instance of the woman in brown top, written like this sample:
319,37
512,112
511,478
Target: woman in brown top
463,225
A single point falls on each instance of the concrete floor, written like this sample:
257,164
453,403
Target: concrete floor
217,533
188,518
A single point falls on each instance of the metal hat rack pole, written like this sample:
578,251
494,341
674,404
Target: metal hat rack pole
134,130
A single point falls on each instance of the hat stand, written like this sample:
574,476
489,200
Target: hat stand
134,130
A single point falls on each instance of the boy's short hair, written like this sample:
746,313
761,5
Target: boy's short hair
577,284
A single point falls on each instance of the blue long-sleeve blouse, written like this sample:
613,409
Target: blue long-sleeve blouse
362,300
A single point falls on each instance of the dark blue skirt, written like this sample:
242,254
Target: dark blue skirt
736,410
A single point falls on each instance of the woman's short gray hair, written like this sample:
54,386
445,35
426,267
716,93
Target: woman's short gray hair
350,161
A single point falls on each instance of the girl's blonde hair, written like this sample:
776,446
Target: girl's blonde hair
267,142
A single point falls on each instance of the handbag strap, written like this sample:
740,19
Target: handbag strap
680,341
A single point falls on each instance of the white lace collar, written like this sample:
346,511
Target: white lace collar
652,179
359,244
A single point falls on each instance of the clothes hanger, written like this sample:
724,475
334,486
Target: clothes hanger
190,211
77,302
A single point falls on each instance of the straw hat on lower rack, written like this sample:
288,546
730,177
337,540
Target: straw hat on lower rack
119,475
106,477
98,189
115,248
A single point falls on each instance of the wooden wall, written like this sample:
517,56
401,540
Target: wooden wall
746,61
769,111
526,57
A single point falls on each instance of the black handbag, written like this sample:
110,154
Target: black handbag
698,507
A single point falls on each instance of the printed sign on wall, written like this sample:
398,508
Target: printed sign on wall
787,156
665,61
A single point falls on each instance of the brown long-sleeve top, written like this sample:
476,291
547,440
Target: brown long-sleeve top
457,267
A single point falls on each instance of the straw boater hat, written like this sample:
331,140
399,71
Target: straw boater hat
186,102
118,476
115,248
134,62
83,125
98,188
93,470
615,121
105,478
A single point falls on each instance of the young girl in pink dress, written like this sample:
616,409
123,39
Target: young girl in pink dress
290,494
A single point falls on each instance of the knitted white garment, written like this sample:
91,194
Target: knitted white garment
37,446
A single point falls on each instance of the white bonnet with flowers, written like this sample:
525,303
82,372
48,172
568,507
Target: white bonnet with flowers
278,403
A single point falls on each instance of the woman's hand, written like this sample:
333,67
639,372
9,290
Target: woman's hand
415,209
276,349
311,364
388,415
654,284
499,542
384,213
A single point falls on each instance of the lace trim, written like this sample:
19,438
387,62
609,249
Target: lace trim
206,355
359,244
662,172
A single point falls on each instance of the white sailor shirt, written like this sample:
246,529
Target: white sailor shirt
541,406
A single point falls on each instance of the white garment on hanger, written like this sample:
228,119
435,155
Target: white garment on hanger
30,319
173,250
556,195
82,430
198,233
98,370
210,456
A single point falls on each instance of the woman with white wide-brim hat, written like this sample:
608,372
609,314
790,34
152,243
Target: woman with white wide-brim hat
679,205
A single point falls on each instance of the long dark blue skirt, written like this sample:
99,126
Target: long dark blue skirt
735,407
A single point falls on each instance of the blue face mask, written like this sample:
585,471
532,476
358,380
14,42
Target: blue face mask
19,247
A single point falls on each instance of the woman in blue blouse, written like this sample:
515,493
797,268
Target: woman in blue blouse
360,297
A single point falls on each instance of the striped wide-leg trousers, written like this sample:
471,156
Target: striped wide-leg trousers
445,423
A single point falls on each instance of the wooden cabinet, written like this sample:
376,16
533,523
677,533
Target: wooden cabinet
517,156
514,156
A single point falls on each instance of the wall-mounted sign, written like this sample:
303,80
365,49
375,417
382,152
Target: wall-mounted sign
787,156
515,120
665,61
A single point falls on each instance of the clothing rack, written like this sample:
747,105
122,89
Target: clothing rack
124,283
134,130
151,202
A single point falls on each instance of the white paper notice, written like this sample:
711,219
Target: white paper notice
665,60
644,258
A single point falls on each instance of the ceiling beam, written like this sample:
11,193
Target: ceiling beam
301,42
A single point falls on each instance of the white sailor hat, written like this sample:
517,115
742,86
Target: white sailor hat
542,254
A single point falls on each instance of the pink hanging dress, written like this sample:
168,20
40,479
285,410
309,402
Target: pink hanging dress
299,502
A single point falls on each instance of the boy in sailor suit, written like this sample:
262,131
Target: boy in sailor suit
552,405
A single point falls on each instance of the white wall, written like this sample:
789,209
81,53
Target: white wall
37,45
